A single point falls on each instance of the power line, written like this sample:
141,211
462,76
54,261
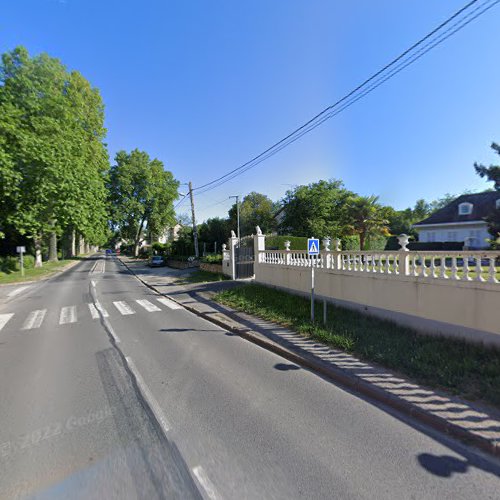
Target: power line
181,200
350,98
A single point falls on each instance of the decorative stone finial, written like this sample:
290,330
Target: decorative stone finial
336,244
259,230
403,240
224,246
233,234
326,243
287,245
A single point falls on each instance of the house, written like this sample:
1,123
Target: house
461,220
171,234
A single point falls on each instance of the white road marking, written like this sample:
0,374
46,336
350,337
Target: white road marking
169,303
4,318
101,309
68,315
206,484
34,320
16,291
148,396
93,311
148,305
93,283
123,307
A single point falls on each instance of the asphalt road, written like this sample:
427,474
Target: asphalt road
108,392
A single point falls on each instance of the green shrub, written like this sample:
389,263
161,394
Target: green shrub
29,261
161,248
278,242
9,264
212,258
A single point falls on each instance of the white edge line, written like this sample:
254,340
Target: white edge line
93,283
148,396
206,484
16,291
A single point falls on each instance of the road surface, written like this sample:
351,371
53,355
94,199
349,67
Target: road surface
111,391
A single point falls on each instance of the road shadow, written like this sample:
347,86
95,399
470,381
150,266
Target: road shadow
286,367
442,466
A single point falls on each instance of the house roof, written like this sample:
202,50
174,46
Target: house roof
483,204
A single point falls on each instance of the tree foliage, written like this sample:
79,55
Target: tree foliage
256,209
53,160
492,173
141,195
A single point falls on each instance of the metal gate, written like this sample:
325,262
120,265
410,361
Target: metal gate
244,262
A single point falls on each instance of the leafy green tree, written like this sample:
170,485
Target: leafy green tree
256,209
52,158
318,209
492,173
141,195
367,218
215,230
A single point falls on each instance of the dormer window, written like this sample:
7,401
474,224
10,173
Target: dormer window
465,208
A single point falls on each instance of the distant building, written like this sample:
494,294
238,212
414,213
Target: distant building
170,234
461,220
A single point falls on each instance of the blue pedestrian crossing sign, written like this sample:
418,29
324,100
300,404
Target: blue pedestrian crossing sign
313,246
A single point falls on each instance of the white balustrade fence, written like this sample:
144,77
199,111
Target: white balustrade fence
457,266
451,293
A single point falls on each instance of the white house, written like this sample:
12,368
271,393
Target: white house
170,234
461,220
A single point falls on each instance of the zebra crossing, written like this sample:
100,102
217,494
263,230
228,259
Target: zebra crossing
72,314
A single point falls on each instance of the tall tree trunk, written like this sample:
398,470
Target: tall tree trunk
72,251
362,241
53,247
38,250
137,238
81,244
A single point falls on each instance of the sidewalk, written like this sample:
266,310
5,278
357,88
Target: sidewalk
473,423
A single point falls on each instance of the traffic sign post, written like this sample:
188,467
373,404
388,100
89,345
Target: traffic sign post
20,251
312,251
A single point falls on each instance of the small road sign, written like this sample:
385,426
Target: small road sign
313,246
20,249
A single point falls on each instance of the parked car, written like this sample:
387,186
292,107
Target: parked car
156,261
109,251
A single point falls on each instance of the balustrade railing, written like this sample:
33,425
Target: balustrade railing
480,266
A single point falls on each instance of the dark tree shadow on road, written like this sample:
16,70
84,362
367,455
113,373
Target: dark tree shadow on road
442,466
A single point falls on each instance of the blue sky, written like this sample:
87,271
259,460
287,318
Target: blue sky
204,86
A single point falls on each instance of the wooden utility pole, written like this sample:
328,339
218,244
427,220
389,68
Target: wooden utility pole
195,229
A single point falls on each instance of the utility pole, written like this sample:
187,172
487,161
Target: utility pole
238,216
195,229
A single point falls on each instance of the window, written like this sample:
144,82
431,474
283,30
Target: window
465,208
497,204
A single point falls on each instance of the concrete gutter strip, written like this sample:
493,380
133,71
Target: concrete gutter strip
338,375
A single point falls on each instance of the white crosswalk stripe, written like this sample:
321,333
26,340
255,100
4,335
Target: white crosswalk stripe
4,319
34,319
93,311
123,307
68,315
169,303
101,309
150,307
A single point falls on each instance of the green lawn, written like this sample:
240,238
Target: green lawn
468,370
201,276
34,273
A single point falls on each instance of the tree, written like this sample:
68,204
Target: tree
256,209
141,195
52,158
318,209
367,218
492,173
215,230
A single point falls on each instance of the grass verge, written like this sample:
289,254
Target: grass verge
34,273
201,276
467,370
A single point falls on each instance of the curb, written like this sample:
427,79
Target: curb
347,380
